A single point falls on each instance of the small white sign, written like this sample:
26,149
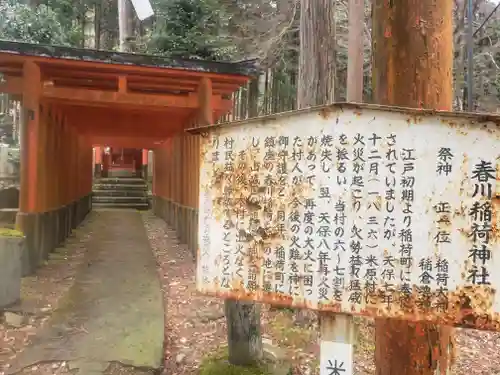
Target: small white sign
143,9
336,358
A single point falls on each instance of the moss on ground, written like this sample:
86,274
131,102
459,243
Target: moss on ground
7,232
284,329
218,364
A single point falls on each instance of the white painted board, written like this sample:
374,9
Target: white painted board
362,210
336,358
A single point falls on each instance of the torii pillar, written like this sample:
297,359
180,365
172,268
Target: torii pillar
98,161
145,154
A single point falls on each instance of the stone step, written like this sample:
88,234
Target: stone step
120,187
119,192
101,199
138,206
121,181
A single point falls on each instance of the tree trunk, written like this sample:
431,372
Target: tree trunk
124,25
243,318
412,67
243,332
316,79
97,25
317,53
355,51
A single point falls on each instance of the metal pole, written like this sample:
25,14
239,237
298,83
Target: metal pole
470,62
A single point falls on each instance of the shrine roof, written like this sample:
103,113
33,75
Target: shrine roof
242,68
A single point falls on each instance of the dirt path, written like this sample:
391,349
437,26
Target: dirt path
113,314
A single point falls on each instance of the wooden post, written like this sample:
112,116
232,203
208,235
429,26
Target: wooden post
30,128
42,160
55,135
66,173
54,144
412,67
72,153
145,161
205,99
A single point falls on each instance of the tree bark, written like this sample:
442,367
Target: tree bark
412,67
355,51
124,25
97,25
317,53
243,318
243,332
316,80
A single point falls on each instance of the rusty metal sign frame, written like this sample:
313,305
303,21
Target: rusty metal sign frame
331,109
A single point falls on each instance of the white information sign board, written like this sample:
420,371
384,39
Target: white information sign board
355,209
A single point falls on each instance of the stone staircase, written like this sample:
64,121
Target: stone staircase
120,192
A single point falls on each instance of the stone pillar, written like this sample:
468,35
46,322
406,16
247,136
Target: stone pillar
11,255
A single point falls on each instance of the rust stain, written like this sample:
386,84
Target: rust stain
325,112
388,32
495,210
468,306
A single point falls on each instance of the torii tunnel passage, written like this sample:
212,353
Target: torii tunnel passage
75,99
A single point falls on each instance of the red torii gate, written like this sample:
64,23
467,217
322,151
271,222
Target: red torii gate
74,99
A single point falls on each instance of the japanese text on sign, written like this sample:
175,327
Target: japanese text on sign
375,212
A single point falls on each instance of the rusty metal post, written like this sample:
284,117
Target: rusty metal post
412,67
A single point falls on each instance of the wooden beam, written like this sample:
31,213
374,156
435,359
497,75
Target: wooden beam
139,83
110,99
113,99
112,132
119,122
11,85
114,114
127,142
15,70
101,121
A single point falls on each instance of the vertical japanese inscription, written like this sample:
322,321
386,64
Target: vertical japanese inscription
211,158
481,215
325,224
355,227
228,233
280,258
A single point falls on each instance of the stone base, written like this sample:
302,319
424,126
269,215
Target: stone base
46,230
8,216
11,250
182,218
